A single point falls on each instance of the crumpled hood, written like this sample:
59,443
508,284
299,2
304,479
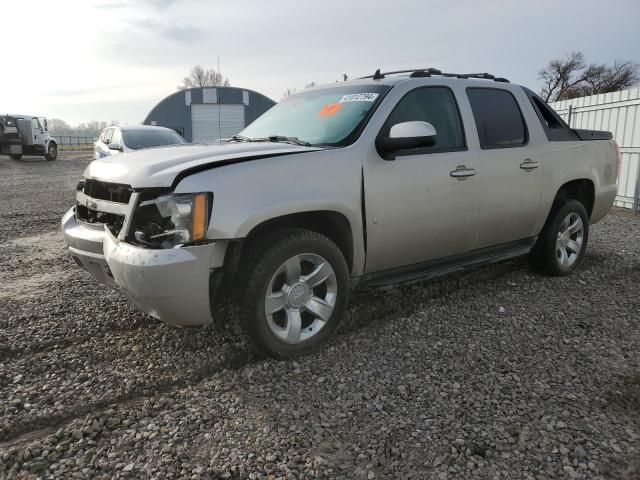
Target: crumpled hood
158,167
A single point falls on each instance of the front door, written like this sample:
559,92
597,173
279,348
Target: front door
37,131
416,208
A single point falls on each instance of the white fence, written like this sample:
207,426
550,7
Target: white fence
619,113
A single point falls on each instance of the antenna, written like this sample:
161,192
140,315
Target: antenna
219,112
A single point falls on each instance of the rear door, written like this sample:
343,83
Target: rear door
416,209
509,173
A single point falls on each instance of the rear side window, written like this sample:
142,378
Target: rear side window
437,106
498,118
548,119
554,127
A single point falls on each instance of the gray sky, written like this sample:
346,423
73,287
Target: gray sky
115,59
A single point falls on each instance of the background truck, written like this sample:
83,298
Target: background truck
26,135
387,179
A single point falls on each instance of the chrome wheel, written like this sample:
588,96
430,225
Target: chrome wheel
300,297
570,239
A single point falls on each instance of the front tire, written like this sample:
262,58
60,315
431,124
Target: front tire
52,152
17,157
291,293
563,240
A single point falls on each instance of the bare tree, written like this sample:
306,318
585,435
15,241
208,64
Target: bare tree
605,79
290,91
92,128
199,77
59,126
571,77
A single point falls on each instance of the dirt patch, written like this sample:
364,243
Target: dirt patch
30,287
31,263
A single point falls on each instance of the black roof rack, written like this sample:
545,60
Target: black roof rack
428,72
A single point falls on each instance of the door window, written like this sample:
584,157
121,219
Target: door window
498,118
35,124
437,106
116,137
107,135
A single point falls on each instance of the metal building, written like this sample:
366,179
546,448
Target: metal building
208,114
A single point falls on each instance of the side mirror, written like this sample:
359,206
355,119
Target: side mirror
407,135
46,125
115,146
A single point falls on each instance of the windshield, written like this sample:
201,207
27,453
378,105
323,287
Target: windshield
137,139
328,116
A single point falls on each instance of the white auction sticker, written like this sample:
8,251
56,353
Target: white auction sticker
359,97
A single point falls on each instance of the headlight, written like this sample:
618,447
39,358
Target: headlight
171,220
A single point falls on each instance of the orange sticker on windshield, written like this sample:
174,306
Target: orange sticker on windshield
330,109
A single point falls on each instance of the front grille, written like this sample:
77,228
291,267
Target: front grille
112,220
112,192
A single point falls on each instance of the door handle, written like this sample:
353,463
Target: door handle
529,164
461,172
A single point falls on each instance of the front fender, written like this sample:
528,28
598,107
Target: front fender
276,211
250,193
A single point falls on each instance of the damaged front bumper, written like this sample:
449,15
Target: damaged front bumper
169,284
85,243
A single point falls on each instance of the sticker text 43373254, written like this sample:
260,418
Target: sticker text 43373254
359,97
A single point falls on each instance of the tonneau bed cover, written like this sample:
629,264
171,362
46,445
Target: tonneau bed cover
593,134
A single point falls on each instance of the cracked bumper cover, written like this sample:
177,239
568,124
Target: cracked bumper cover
169,284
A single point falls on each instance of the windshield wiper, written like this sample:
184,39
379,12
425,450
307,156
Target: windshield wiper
239,138
281,139
295,140
270,138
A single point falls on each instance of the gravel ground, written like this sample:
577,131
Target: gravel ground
497,373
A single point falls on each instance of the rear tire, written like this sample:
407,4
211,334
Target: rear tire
52,152
291,292
17,157
563,240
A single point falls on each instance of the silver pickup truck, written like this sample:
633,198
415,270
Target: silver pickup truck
391,178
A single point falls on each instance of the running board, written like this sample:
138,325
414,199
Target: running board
448,265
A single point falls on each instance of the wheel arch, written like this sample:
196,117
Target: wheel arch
582,189
333,225
330,223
